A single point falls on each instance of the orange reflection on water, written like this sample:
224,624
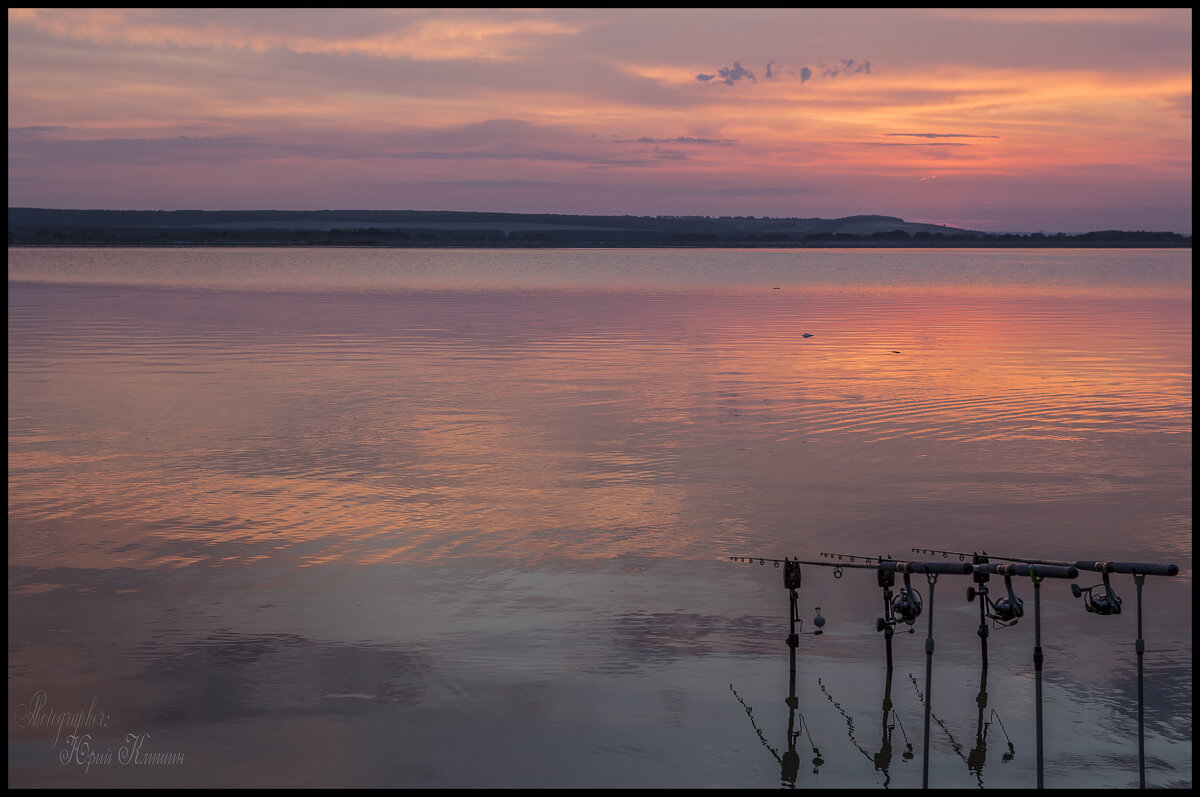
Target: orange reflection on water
579,427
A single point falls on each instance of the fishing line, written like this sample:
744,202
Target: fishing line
849,721
750,714
954,743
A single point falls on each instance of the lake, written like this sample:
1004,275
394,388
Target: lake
465,518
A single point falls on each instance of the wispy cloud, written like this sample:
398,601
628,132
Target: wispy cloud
1047,16
939,135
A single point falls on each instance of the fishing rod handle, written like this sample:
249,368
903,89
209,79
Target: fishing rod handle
1143,568
1034,571
956,568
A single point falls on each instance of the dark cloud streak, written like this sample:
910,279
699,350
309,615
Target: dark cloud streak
731,75
910,143
113,151
763,191
847,66
720,142
939,135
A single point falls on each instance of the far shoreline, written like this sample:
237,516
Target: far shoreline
630,247
483,230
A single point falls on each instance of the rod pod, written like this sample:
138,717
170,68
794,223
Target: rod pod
1139,571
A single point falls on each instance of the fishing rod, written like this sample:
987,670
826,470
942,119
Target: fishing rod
1007,610
789,762
1036,573
906,607
792,578
903,607
1003,612
1106,602
1011,609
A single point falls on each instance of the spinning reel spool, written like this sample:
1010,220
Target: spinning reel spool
1105,602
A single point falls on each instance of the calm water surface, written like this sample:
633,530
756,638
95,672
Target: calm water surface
455,518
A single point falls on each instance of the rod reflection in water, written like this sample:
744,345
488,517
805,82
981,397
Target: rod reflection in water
789,761
882,759
977,756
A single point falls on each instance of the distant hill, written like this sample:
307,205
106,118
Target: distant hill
39,226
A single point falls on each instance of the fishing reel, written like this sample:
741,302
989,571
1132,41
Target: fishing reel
1005,611
904,607
1105,602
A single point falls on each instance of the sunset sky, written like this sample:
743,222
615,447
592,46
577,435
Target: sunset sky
1000,120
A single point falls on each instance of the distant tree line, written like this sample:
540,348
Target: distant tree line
384,237
43,227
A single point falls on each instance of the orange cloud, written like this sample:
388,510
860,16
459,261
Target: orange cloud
436,39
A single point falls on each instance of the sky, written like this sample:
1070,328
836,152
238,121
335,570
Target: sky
1002,120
